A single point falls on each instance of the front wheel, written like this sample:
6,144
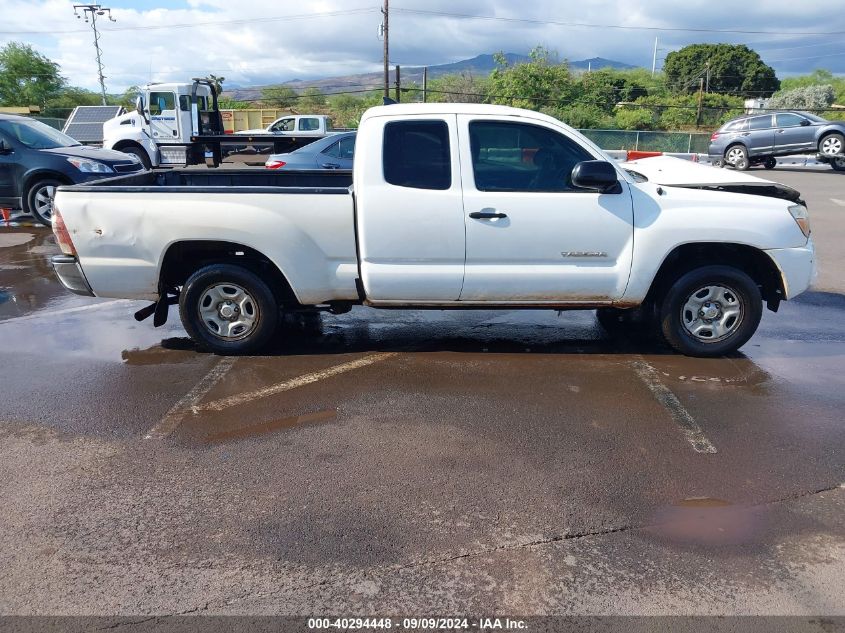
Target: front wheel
838,164
711,311
39,199
770,163
138,153
832,145
228,309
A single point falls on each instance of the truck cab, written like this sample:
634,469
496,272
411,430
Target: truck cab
165,118
297,125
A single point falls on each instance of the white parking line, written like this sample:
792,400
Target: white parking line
293,383
689,427
841,203
173,418
49,314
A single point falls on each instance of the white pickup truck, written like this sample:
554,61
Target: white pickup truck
453,206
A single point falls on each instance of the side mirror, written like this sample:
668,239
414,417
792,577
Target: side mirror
5,148
598,175
805,122
139,108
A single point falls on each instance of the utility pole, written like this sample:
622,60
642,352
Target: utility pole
707,89
425,84
700,101
398,96
92,11
386,31
654,57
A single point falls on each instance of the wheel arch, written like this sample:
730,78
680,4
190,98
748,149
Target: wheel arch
36,174
691,255
183,258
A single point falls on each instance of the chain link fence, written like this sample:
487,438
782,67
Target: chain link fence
51,121
682,142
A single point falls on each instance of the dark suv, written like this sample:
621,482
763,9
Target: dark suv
756,139
35,159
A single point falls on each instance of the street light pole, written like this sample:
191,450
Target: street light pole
92,11
386,48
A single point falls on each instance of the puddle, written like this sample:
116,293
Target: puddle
273,425
708,521
170,351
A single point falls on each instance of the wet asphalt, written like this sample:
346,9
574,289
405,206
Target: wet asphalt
420,462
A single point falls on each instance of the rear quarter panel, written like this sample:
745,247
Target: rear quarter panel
121,237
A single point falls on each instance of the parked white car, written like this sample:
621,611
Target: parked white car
452,206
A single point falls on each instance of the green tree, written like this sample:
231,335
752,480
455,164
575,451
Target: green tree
27,77
279,96
228,103
217,82
63,103
462,87
538,83
804,98
312,99
734,69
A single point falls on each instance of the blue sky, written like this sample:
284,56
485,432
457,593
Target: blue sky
266,41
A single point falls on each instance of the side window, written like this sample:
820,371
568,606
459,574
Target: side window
283,125
760,122
416,154
522,157
347,148
788,120
160,101
309,125
333,150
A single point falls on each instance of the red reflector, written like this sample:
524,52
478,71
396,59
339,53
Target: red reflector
62,234
714,136
276,164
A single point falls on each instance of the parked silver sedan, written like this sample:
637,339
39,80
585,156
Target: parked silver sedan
333,152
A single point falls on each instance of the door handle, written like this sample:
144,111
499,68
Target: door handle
486,215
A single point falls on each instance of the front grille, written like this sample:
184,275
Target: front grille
127,167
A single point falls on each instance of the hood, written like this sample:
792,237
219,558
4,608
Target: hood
92,153
677,172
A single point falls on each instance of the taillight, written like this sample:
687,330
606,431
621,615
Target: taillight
714,136
62,234
274,164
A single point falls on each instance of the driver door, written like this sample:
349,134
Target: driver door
163,119
531,236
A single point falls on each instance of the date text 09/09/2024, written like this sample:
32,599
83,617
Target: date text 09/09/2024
418,624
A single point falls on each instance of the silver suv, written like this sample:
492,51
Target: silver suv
756,139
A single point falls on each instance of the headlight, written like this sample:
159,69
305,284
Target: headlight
90,166
802,218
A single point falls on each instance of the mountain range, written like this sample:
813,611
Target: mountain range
481,65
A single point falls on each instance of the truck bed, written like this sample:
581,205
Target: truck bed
220,181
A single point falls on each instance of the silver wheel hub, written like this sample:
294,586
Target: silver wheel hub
228,311
44,200
734,155
832,145
712,313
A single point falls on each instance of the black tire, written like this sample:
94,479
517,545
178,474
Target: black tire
832,144
140,154
770,163
261,309
737,286
739,157
838,164
35,201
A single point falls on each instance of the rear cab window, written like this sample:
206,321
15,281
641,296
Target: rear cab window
416,154
309,124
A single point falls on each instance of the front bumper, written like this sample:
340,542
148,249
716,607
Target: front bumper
70,274
797,267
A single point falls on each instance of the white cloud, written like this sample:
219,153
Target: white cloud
275,48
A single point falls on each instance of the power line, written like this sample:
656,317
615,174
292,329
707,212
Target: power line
190,25
466,16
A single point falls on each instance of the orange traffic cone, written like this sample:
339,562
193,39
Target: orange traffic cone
7,213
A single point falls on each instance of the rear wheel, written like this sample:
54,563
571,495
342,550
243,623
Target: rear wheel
228,309
711,311
39,199
737,157
838,164
770,163
832,144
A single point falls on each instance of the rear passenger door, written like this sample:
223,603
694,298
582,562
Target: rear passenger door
761,135
410,215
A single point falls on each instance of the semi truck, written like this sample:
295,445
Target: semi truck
180,124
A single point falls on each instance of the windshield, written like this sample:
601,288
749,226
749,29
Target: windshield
813,117
35,135
637,176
